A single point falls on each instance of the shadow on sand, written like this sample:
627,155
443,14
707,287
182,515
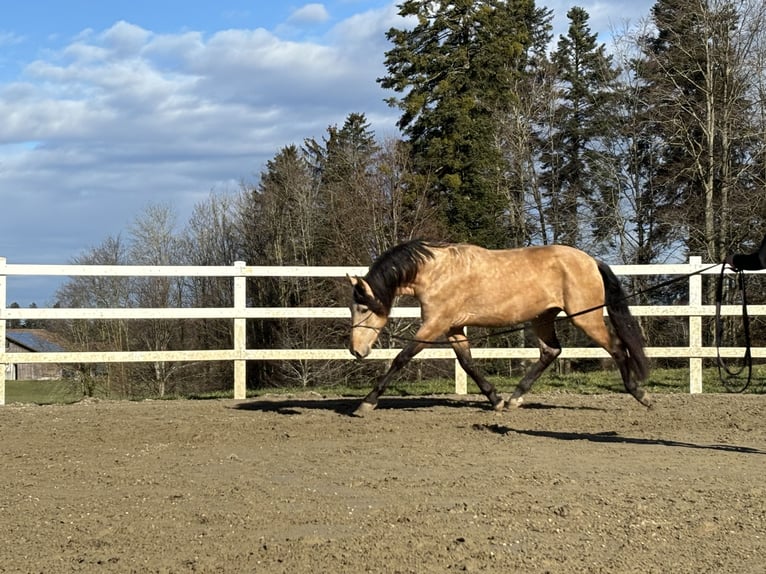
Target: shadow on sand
612,437
347,405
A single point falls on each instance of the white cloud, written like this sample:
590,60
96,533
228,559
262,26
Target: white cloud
309,14
116,119
125,39
604,17
10,39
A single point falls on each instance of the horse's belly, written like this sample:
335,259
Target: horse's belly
498,316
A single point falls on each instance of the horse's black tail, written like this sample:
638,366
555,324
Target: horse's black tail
625,325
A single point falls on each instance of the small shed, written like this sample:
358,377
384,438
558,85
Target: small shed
33,341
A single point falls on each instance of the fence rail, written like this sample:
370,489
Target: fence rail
239,313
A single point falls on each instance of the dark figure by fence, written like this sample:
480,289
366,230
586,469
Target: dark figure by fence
749,261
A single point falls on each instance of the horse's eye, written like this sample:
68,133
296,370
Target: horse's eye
361,309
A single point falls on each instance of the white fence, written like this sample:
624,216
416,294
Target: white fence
239,313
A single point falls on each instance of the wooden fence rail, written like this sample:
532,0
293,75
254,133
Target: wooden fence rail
239,313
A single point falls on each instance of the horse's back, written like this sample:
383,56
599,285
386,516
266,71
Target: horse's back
541,262
493,287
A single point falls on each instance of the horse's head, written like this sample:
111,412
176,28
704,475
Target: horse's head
368,317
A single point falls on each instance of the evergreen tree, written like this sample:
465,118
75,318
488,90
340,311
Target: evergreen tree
280,217
345,163
456,69
577,166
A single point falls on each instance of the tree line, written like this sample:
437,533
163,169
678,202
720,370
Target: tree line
647,152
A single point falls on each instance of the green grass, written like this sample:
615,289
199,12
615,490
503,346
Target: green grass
660,381
41,392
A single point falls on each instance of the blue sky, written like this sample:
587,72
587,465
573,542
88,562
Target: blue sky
110,106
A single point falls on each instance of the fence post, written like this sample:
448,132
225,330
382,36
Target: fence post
240,331
461,381
3,365
695,327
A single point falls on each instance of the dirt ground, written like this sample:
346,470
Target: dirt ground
566,484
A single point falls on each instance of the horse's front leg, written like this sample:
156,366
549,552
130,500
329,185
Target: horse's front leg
463,352
423,338
371,400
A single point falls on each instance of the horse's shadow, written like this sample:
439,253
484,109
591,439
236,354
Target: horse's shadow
611,437
347,405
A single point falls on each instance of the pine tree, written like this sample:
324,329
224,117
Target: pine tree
577,166
344,162
456,69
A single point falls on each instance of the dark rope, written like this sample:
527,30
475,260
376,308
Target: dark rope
726,374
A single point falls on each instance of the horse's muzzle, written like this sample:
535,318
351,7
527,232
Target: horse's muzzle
359,354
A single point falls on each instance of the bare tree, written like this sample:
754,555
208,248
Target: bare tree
98,334
211,238
702,97
154,241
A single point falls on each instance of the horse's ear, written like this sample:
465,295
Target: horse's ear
366,288
359,283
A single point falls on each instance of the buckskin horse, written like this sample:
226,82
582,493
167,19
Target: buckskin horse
461,285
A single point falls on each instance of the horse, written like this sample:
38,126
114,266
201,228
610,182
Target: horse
462,285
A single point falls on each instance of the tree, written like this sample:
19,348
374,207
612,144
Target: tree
701,94
211,237
523,128
279,217
98,334
579,171
344,162
640,234
281,220
155,241
456,69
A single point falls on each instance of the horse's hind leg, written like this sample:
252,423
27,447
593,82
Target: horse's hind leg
631,385
550,348
463,352
593,325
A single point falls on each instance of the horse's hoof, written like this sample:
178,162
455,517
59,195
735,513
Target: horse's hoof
647,402
643,397
515,402
499,405
363,409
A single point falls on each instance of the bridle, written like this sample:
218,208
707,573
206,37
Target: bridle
359,325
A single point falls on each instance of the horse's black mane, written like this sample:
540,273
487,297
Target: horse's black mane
397,266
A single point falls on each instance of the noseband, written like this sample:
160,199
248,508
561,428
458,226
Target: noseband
358,325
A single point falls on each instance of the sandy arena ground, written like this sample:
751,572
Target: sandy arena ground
566,484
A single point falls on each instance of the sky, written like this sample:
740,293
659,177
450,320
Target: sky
108,107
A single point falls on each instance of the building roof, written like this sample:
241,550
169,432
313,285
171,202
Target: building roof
36,340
